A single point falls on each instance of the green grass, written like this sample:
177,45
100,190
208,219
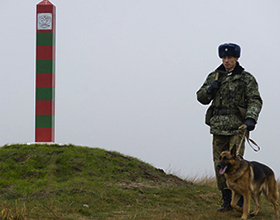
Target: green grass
81,183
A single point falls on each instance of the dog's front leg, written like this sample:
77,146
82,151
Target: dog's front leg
235,198
256,198
246,206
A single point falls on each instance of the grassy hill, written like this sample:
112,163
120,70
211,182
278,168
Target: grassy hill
81,183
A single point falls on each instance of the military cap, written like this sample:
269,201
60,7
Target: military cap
229,49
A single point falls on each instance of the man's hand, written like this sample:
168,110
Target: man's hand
216,84
250,124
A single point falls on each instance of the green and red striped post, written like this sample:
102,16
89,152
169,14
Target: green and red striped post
45,72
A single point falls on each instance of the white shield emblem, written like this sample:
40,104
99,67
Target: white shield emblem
44,21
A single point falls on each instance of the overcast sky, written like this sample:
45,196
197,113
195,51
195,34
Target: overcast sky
127,73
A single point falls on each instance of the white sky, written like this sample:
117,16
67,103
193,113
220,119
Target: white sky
127,73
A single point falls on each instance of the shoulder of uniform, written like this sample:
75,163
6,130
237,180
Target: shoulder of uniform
248,75
212,73
211,76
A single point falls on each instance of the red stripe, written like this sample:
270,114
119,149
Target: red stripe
44,52
45,31
45,80
45,107
44,135
45,8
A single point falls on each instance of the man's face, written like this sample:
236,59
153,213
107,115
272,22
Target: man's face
229,62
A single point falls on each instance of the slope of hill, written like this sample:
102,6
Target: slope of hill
73,182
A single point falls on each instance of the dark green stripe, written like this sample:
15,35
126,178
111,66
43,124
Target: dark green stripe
45,39
44,121
45,93
45,66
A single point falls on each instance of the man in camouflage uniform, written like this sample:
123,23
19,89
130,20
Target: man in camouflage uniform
235,101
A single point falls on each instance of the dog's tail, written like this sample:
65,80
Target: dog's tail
271,189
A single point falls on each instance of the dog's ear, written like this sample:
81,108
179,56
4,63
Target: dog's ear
233,151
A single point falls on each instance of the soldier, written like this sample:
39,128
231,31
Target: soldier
235,100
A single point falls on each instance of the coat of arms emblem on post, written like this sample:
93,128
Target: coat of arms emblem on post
44,21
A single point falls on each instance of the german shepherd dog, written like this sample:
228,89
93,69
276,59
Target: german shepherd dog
248,179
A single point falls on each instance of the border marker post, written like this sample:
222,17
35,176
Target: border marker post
45,72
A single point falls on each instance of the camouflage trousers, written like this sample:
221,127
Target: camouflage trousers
219,143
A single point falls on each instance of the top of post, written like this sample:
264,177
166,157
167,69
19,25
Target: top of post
45,2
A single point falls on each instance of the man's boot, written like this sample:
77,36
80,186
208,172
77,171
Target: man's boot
240,202
226,194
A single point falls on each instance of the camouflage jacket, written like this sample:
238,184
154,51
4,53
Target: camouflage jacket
237,99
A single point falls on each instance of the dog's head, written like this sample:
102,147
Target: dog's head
227,160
